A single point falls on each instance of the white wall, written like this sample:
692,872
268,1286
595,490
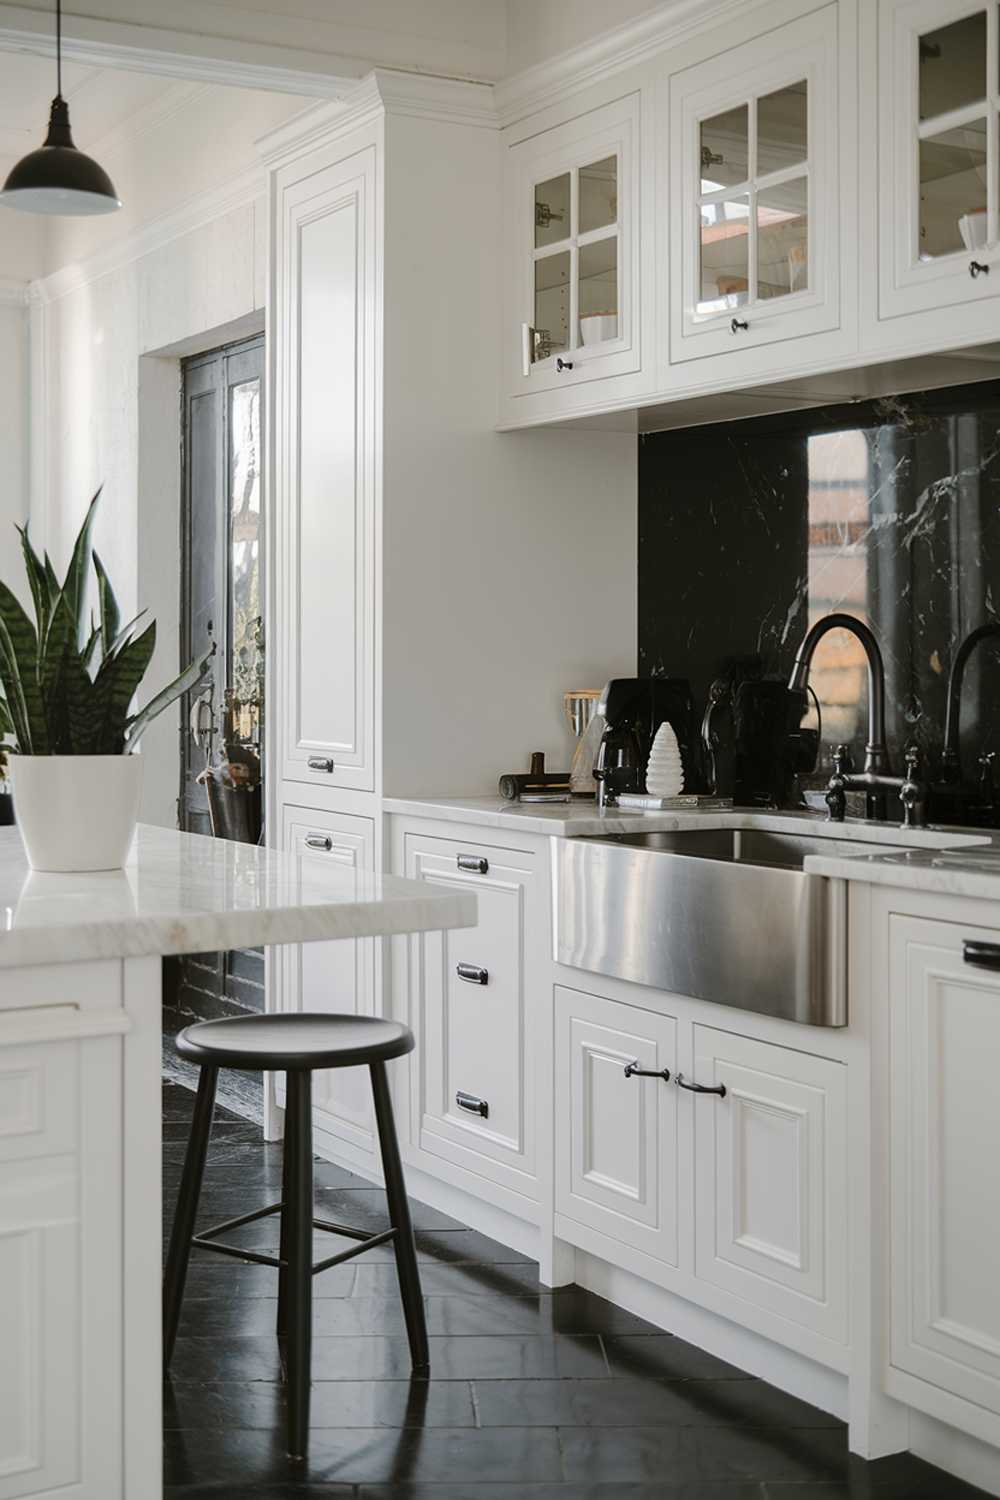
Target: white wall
20,254
123,298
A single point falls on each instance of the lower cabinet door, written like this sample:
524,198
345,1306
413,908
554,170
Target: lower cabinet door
616,1134
337,976
472,1092
771,1178
944,1139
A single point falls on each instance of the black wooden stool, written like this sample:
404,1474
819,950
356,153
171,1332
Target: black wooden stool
295,1045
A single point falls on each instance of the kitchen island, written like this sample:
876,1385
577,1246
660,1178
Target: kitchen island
80,1130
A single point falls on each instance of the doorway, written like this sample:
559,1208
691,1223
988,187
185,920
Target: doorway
221,743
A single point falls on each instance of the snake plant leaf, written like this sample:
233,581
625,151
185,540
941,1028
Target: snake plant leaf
13,693
87,654
108,606
58,646
21,675
38,580
116,682
123,635
75,583
188,679
6,722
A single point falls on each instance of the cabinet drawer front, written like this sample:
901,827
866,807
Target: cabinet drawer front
38,1098
771,1178
616,1136
472,1066
335,976
945,1126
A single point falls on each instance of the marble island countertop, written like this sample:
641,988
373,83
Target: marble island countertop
185,893
960,861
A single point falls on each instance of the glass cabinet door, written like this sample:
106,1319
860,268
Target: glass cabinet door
576,258
939,134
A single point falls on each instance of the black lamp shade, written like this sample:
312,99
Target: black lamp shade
57,178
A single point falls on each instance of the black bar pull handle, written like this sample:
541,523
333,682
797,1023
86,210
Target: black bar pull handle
982,955
473,973
633,1070
700,1088
471,1104
473,862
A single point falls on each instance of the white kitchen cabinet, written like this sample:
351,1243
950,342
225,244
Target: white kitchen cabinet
754,192
944,1131
469,1000
335,976
572,249
323,378
938,164
771,1177
616,1144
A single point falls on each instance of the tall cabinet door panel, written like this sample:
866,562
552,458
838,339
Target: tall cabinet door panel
324,473
771,1178
944,1130
337,976
616,1133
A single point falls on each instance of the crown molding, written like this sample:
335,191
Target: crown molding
200,209
383,92
160,51
569,73
13,293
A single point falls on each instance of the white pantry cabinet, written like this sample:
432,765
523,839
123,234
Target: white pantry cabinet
754,192
616,1144
944,1042
938,162
323,361
771,1177
469,998
337,976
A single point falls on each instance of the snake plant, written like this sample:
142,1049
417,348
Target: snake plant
68,684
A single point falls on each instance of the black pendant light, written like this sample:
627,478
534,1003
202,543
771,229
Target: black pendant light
57,178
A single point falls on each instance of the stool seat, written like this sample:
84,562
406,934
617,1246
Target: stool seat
293,1042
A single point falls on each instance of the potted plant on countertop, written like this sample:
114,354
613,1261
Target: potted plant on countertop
69,687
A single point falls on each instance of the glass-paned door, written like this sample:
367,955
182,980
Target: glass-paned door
956,127
221,760
576,253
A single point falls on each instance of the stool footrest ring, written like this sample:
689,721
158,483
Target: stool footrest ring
238,1252
366,1240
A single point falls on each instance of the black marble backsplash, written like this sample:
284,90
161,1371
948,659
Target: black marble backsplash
889,510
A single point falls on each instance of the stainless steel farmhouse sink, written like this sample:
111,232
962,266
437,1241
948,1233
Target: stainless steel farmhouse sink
721,914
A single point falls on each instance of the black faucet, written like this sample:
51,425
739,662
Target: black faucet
951,761
875,780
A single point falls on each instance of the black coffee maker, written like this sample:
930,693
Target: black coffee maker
633,708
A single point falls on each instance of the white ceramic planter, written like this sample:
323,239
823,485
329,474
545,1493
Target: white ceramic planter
76,812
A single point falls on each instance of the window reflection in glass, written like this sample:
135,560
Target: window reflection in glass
783,239
246,664
953,189
725,264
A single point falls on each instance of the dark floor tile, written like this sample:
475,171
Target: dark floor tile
212,1277
392,1403
363,1455
624,1402
661,1356
471,1358
237,1490
663,1489
469,1280
242,1404
451,1246
366,1207
221,1358
900,1477
701,1454
557,1312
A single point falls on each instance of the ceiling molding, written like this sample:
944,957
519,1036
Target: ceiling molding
13,293
201,209
383,92
569,73
156,50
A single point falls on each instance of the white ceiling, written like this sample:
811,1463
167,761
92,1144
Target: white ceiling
100,99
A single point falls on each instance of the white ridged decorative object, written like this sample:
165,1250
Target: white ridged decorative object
665,772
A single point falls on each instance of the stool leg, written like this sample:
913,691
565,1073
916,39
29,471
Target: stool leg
297,1225
187,1208
399,1215
287,1158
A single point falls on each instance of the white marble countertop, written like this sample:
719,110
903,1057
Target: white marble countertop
185,893
960,861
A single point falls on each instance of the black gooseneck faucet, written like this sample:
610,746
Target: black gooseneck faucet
951,761
875,780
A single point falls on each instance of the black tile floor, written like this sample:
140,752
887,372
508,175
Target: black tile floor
534,1395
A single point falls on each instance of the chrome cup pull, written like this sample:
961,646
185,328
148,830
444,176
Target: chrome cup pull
472,973
320,762
319,841
472,1105
473,862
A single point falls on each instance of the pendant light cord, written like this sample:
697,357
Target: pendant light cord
59,49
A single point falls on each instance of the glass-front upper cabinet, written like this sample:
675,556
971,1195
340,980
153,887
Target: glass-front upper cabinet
571,251
939,105
753,192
